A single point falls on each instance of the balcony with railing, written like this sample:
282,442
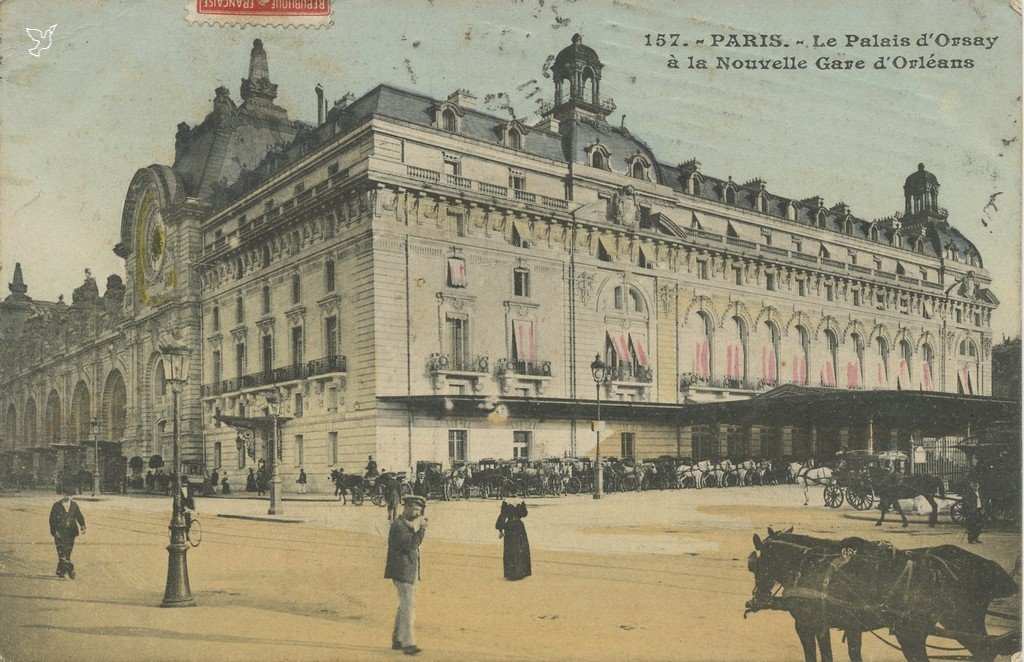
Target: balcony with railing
463,369
630,374
466,184
514,374
317,369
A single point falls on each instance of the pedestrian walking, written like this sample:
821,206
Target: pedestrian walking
974,514
510,527
225,488
66,522
392,496
403,569
250,481
302,480
214,480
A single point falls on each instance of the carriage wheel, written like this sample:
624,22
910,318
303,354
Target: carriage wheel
860,498
357,497
575,485
956,511
833,496
377,499
194,533
629,484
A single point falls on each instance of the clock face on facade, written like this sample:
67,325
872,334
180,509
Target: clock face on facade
152,275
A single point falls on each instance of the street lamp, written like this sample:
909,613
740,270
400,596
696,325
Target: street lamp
177,592
275,479
600,371
95,423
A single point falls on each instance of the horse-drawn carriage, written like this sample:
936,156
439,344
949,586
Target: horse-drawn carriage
851,481
995,464
378,487
430,480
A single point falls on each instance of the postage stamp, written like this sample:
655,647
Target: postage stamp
274,13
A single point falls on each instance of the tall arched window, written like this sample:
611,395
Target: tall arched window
638,170
802,356
927,356
820,219
80,405
515,139
53,418
882,364
967,365
448,120
770,355
30,424
11,425
597,160
873,233
702,329
159,379
828,368
115,407
730,195
855,367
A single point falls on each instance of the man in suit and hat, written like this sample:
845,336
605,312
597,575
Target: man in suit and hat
973,511
66,522
403,568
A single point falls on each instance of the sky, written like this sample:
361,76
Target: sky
104,100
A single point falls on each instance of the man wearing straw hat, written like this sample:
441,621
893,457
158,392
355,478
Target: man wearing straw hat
403,568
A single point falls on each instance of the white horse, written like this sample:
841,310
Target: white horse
695,472
457,479
807,476
745,472
720,470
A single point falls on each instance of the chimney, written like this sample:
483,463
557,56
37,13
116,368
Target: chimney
320,104
463,99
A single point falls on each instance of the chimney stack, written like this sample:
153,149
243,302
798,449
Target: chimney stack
321,105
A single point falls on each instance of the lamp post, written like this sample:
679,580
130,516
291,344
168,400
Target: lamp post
95,423
600,371
275,478
177,592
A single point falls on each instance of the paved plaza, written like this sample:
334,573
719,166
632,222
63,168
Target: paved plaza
654,576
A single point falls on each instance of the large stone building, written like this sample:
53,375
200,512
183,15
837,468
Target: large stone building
417,279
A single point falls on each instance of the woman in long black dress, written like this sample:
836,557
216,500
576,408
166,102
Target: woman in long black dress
517,546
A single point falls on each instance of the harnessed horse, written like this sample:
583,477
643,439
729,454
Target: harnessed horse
806,475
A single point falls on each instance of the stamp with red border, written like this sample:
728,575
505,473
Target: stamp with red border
283,13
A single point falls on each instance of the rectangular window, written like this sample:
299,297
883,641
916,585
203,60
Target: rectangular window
645,217
521,284
524,342
299,451
458,221
880,301
217,367
853,257
798,245
331,335
296,288
239,310
332,448
767,235
267,351
628,441
332,398
737,273
959,317
516,181
266,299
458,341
457,442
216,318
856,297
298,405
456,272
702,270
830,292
329,276
453,167
521,442
769,282
878,264
216,455
801,287
240,359
296,345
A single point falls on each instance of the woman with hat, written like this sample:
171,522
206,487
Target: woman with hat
517,546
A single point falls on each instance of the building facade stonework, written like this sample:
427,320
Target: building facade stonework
405,254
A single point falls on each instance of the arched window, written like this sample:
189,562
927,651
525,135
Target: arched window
927,356
638,170
855,369
694,185
873,233
823,252
114,411
848,227
629,299
762,203
882,366
791,211
919,245
598,161
897,240
30,424
900,270
80,419
968,349
770,356
903,379
53,418
159,379
820,219
636,300
730,195
704,361
11,424
736,351
515,139
802,358
448,121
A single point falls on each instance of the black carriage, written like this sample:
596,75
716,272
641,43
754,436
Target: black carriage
430,480
851,481
378,486
994,463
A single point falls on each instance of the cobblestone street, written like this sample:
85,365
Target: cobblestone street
671,587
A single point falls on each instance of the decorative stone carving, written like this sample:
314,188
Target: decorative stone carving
584,287
665,296
624,208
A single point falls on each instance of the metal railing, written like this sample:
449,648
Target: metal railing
438,363
529,368
690,379
326,365
631,373
457,181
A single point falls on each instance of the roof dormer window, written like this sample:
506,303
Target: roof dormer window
848,226
515,138
599,157
873,233
639,168
919,245
791,211
819,219
449,121
694,184
729,194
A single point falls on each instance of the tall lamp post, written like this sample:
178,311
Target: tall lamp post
177,592
275,479
600,371
95,423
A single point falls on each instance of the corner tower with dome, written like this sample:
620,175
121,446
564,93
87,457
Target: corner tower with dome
417,279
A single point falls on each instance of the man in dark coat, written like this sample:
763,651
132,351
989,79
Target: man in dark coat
371,469
66,522
973,512
403,568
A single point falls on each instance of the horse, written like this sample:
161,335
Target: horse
891,487
857,586
719,470
696,472
807,475
745,472
457,478
345,483
764,472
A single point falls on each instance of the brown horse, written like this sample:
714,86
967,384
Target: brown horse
857,585
891,487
